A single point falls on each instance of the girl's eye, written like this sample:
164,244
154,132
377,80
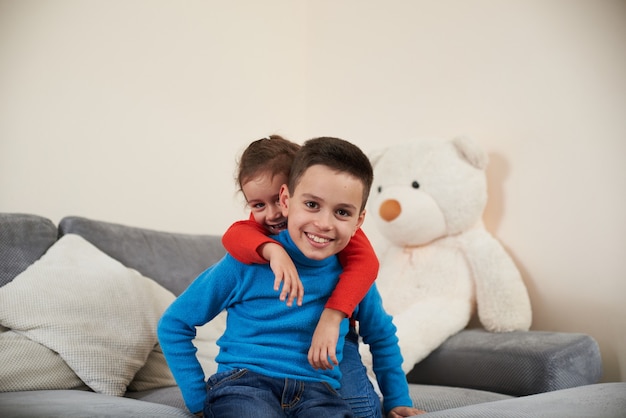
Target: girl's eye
258,206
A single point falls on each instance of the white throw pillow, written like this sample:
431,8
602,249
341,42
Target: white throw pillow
206,343
154,374
99,315
28,365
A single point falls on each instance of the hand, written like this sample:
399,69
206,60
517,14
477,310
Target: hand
284,271
324,342
404,411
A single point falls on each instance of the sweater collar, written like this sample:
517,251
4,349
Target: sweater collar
296,255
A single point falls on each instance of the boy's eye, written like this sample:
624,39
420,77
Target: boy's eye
311,205
343,213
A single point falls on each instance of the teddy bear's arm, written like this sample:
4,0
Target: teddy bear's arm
501,296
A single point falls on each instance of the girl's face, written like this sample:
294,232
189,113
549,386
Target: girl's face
261,193
324,211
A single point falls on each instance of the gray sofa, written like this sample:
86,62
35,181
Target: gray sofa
474,373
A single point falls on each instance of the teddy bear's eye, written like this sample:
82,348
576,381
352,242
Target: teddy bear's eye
415,185
380,189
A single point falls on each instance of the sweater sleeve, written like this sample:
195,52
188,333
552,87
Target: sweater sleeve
243,239
204,299
360,268
377,329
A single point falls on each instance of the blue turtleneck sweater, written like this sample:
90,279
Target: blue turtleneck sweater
262,333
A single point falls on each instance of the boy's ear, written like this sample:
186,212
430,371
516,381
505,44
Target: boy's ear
283,197
359,221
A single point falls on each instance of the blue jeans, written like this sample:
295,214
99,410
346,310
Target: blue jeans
242,393
356,388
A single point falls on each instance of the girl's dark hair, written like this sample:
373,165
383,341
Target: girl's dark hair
337,154
273,154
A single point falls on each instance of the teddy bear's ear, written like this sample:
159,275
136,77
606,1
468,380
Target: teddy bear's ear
376,155
471,151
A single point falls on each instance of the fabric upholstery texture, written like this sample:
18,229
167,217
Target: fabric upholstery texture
28,365
438,398
206,343
171,259
170,395
23,240
605,400
78,404
156,374
514,363
97,314
153,374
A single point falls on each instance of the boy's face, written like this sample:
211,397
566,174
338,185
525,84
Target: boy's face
262,197
324,211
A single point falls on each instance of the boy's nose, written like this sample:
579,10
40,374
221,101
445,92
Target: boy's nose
324,220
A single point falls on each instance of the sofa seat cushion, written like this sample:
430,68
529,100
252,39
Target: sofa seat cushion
73,403
170,396
606,400
99,315
438,398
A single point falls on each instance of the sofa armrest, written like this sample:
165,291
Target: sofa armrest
514,363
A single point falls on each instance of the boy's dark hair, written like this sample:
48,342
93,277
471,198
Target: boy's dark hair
273,154
337,154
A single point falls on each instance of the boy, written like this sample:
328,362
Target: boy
263,168
263,368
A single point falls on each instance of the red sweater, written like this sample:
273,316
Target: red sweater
360,264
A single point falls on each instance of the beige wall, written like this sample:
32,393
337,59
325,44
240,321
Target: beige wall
134,112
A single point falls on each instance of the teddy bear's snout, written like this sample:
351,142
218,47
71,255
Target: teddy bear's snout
390,210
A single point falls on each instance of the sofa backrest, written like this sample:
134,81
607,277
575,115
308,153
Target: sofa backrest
172,259
23,240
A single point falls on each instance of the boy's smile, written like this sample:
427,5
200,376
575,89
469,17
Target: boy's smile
324,211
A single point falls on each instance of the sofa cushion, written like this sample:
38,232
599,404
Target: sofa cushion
73,403
206,343
96,313
515,363
171,396
154,374
28,365
23,239
606,400
438,398
173,260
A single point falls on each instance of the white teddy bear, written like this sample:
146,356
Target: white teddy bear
438,262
